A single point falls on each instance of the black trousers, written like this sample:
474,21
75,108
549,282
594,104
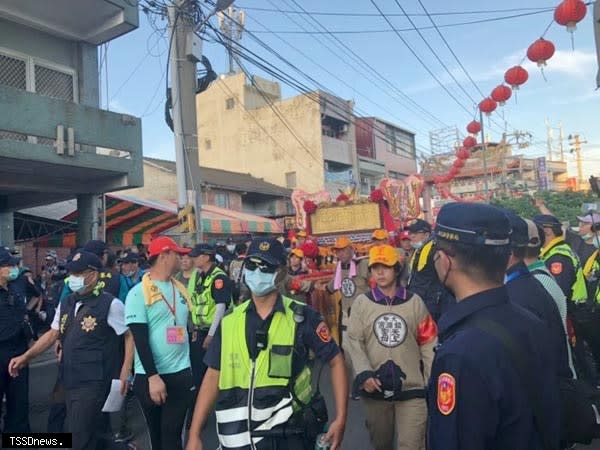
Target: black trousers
87,422
15,389
197,354
57,413
165,422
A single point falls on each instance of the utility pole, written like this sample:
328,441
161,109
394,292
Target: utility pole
561,139
231,25
186,51
484,151
575,143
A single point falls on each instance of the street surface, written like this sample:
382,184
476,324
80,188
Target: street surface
43,376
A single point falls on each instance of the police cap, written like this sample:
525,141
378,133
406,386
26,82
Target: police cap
546,220
130,257
97,247
84,260
269,250
520,233
419,225
202,249
472,223
7,259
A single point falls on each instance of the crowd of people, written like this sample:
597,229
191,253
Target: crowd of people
453,336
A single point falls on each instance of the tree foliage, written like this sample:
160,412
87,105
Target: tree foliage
564,205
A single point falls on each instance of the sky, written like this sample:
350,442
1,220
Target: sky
393,80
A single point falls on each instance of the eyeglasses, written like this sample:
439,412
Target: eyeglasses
262,266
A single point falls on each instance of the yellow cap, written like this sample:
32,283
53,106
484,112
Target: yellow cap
297,252
342,242
383,254
301,233
380,235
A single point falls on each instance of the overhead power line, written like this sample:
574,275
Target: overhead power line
387,31
368,14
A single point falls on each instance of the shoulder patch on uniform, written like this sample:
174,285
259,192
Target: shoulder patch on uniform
446,395
219,283
556,268
323,332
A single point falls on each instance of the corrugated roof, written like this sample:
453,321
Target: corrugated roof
228,180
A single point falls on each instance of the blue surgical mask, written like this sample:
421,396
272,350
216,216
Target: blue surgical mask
77,284
258,282
587,237
13,274
596,242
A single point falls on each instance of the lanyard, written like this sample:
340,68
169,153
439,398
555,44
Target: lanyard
513,276
173,308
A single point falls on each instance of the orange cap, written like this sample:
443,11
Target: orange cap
342,242
383,254
301,233
297,252
380,235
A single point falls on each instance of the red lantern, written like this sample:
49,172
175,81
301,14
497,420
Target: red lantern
458,163
516,76
438,179
453,172
501,94
487,106
469,142
463,153
540,51
569,12
474,127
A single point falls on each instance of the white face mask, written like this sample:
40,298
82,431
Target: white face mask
77,284
416,245
587,236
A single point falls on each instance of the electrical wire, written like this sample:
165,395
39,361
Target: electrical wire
353,88
368,14
387,31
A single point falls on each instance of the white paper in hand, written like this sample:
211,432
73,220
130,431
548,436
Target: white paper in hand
114,401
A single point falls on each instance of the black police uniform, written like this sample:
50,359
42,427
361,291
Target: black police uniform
308,338
222,295
476,398
426,285
526,291
13,342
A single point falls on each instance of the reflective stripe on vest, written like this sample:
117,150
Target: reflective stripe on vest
579,289
204,306
591,271
255,395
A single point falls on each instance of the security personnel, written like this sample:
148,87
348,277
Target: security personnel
422,279
131,274
13,341
211,295
562,262
259,378
476,397
526,291
108,277
88,324
590,327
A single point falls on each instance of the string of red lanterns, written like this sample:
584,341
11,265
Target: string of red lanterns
568,13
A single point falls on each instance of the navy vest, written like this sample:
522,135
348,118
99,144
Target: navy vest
90,346
12,315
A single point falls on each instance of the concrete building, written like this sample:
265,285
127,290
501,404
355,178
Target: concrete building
308,143
51,125
384,150
506,173
234,191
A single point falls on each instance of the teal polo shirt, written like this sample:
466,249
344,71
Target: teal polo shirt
168,358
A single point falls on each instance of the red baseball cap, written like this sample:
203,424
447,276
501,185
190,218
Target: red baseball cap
163,244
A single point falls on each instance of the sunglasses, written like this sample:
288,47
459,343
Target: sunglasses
262,266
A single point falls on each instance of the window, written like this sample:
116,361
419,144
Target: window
222,200
400,143
207,144
290,180
396,175
229,103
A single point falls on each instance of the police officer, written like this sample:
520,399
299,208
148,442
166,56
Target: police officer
89,324
260,378
13,341
562,262
526,291
211,296
131,273
110,278
422,279
477,398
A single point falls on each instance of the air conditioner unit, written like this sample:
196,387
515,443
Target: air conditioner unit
344,128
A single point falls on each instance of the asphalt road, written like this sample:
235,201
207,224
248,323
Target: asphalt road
43,376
